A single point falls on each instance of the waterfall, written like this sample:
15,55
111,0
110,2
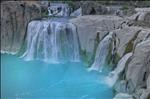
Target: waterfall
58,9
102,52
77,12
113,76
52,41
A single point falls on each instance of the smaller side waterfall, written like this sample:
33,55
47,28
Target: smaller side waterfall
113,76
102,52
52,41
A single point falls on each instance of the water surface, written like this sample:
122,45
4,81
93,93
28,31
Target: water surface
38,80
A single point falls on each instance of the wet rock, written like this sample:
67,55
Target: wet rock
123,96
138,67
120,86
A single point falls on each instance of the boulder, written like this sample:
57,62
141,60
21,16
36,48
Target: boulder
142,94
126,37
143,35
146,94
138,67
138,93
123,96
143,14
14,19
93,8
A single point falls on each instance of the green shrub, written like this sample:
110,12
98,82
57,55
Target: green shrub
44,13
125,7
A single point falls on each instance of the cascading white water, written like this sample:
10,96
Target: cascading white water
102,52
77,12
58,9
113,76
52,41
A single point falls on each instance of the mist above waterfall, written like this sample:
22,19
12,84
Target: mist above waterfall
52,41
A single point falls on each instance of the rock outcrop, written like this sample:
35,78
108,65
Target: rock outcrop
141,17
126,37
135,78
143,14
92,29
138,67
93,8
123,96
14,19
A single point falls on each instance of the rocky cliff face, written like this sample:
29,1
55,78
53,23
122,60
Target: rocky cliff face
14,19
138,68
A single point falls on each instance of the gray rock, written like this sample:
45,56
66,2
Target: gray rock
143,14
142,94
143,35
123,96
120,86
126,37
14,19
89,26
92,8
138,67
148,81
145,94
138,92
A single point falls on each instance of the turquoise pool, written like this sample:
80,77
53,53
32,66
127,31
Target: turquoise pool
38,80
